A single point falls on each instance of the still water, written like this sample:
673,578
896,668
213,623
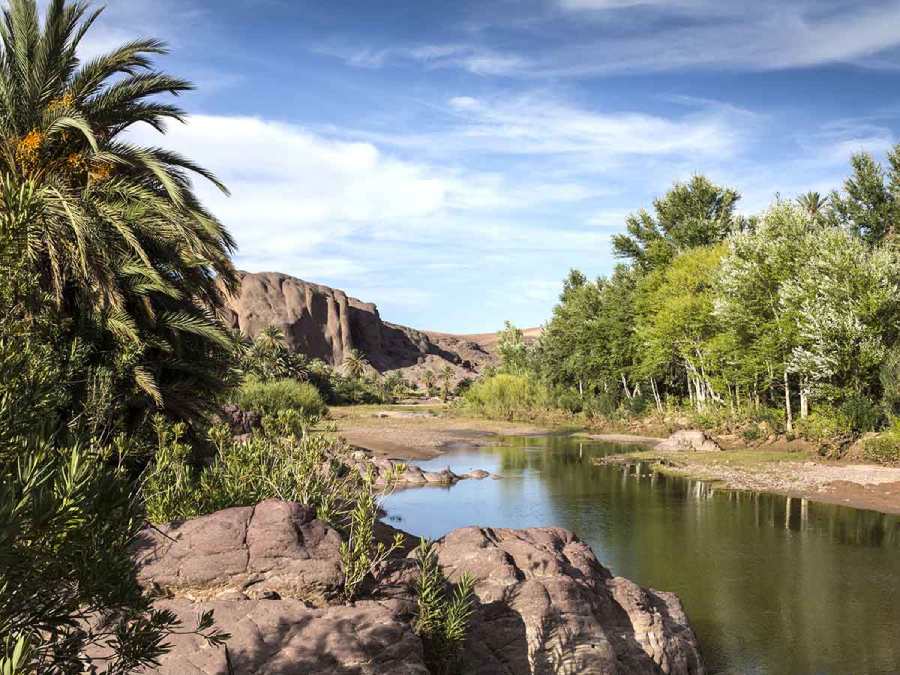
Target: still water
771,585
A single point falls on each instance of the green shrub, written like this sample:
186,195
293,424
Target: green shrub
824,424
862,413
269,398
751,433
67,577
355,391
884,449
605,405
507,396
309,470
442,618
361,554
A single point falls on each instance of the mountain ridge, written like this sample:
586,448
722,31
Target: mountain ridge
326,323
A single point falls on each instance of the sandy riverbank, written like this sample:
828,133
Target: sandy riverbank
795,474
420,431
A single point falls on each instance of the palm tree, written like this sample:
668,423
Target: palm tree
429,378
446,378
813,204
114,231
354,364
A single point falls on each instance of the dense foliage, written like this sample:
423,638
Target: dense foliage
111,276
789,318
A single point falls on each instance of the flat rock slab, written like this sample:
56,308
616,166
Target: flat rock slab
284,637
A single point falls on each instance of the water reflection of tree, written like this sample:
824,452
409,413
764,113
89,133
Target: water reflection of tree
776,584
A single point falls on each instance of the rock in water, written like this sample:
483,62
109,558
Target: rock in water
688,441
544,604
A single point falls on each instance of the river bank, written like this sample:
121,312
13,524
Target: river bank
792,474
423,432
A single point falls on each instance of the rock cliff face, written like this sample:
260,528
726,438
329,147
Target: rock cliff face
326,323
271,573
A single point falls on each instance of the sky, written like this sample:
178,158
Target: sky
451,161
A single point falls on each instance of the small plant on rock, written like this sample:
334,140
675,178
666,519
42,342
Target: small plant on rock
361,554
443,617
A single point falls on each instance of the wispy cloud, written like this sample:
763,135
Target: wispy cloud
596,37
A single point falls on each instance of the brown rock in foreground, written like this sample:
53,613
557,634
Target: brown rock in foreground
548,606
544,602
273,549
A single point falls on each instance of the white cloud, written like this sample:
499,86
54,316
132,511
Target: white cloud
539,125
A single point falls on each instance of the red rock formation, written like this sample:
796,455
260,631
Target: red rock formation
326,323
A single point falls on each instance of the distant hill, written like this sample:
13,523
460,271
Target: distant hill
326,323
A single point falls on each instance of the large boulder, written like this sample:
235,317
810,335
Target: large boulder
271,574
546,605
688,440
273,549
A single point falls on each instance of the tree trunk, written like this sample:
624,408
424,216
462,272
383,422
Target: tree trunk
804,401
656,395
580,388
789,425
625,385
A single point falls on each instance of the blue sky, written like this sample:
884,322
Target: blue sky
451,161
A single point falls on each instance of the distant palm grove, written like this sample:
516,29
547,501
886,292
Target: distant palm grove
781,322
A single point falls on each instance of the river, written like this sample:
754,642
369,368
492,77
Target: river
770,584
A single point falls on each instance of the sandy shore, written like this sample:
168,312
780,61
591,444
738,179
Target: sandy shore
420,432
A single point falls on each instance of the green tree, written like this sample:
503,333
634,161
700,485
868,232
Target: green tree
268,357
814,205
354,364
696,213
446,380
676,327
429,378
587,344
868,206
131,260
512,349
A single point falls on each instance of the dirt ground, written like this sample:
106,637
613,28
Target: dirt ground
419,431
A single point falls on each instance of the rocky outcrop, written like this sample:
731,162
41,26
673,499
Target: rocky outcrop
688,441
402,474
285,637
546,605
270,573
326,323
